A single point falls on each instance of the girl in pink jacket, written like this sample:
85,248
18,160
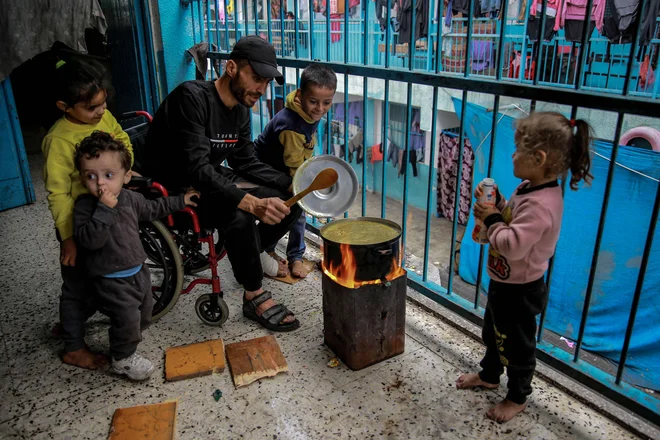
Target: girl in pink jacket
523,233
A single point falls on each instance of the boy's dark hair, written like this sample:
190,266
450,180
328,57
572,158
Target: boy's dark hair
318,75
79,81
100,142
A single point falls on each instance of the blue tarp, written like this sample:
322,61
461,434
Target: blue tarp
624,237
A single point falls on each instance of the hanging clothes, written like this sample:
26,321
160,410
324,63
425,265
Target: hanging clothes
572,17
447,172
482,55
648,23
405,18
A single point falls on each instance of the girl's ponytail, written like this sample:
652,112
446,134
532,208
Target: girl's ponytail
580,159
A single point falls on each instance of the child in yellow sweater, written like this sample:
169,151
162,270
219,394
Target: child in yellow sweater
80,92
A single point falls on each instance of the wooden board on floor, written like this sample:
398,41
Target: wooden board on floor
290,279
154,422
255,359
193,360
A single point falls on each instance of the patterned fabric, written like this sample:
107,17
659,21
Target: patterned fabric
447,170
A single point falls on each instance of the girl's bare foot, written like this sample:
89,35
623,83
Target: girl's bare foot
505,411
298,269
472,380
84,358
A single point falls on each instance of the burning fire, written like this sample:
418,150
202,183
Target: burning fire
344,273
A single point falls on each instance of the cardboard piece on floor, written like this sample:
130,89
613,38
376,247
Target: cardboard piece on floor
255,359
155,422
193,360
290,279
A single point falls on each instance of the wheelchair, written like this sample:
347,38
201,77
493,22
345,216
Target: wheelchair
177,245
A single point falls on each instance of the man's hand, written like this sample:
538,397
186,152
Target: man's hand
187,199
107,198
482,211
270,211
68,252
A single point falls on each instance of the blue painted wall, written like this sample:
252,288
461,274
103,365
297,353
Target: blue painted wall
177,31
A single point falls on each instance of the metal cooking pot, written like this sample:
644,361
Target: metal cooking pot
373,260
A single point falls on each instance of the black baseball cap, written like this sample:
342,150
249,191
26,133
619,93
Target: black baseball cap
260,54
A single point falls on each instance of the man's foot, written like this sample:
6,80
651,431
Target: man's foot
472,380
85,358
298,269
268,304
505,411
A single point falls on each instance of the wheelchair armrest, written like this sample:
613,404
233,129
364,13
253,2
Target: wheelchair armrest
140,182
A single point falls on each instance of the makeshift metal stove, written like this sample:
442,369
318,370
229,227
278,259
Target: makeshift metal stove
364,290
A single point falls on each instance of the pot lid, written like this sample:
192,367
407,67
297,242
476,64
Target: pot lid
330,202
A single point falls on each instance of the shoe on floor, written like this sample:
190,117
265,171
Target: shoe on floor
135,367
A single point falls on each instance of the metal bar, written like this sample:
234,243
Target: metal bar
599,236
365,112
246,23
387,34
438,49
227,25
631,55
296,30
329,145
468,40
328,34
311,30
346,124
566,96
429,42
457,198
217,29
269,23
192,22
500,57
386,120
282,4
411,44
429,215
523,50
200,19
346,32
540,36
551,263
405,165
208,27
639,286
365,40
489,169
256,19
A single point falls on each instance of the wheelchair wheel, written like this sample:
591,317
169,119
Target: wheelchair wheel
212,309
165,265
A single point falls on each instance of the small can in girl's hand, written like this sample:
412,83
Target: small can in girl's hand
488,197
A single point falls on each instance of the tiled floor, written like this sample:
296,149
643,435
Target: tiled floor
409,396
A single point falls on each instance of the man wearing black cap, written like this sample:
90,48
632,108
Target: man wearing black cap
199,126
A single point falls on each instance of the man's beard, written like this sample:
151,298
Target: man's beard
239,92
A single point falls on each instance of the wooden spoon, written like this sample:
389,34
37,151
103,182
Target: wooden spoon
325,179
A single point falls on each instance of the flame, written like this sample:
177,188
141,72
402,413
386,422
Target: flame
344,273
